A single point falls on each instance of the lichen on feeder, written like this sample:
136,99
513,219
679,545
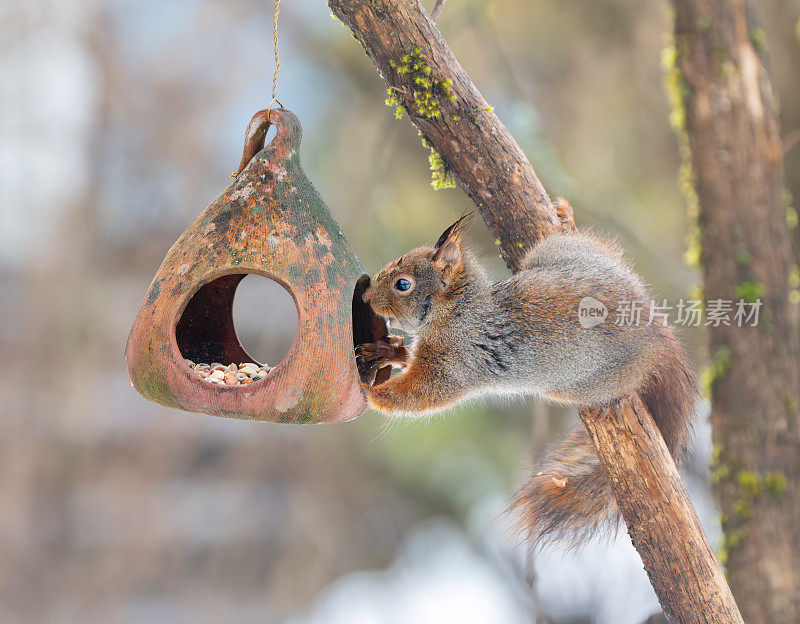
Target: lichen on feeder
272,222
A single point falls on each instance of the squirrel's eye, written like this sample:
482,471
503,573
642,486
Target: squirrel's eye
402,284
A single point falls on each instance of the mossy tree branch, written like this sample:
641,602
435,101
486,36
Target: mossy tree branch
481,154
454,118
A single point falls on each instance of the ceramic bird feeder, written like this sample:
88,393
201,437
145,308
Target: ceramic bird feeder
272,222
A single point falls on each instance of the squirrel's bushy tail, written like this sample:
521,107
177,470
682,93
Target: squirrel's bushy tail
568,497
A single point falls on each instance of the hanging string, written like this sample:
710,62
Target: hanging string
277,57
257,128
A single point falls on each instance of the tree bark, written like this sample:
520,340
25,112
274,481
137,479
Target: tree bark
491,168
737,161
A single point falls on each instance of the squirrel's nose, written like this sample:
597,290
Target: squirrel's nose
367,292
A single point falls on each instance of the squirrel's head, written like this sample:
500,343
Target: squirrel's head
407,290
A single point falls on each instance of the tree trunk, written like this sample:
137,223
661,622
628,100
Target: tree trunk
425,79
737,161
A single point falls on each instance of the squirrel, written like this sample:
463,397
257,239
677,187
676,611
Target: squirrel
522,335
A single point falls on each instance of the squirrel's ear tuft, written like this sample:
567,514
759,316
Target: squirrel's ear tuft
458,228
444,236
447,256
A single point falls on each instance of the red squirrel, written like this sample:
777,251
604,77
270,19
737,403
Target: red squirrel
523,335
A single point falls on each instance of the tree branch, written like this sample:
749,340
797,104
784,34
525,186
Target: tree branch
661,520
452,115
436,11
492,169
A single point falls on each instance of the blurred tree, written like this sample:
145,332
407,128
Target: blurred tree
724,94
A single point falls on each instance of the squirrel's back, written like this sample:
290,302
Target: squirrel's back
628,351
581,318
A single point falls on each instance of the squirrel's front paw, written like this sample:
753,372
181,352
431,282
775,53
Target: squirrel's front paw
372,356
381,352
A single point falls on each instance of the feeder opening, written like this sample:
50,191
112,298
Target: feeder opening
206,332
368,326
265,317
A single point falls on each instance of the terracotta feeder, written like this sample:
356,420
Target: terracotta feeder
271,222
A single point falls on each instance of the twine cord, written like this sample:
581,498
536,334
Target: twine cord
277,57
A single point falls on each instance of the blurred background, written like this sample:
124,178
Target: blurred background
119,122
